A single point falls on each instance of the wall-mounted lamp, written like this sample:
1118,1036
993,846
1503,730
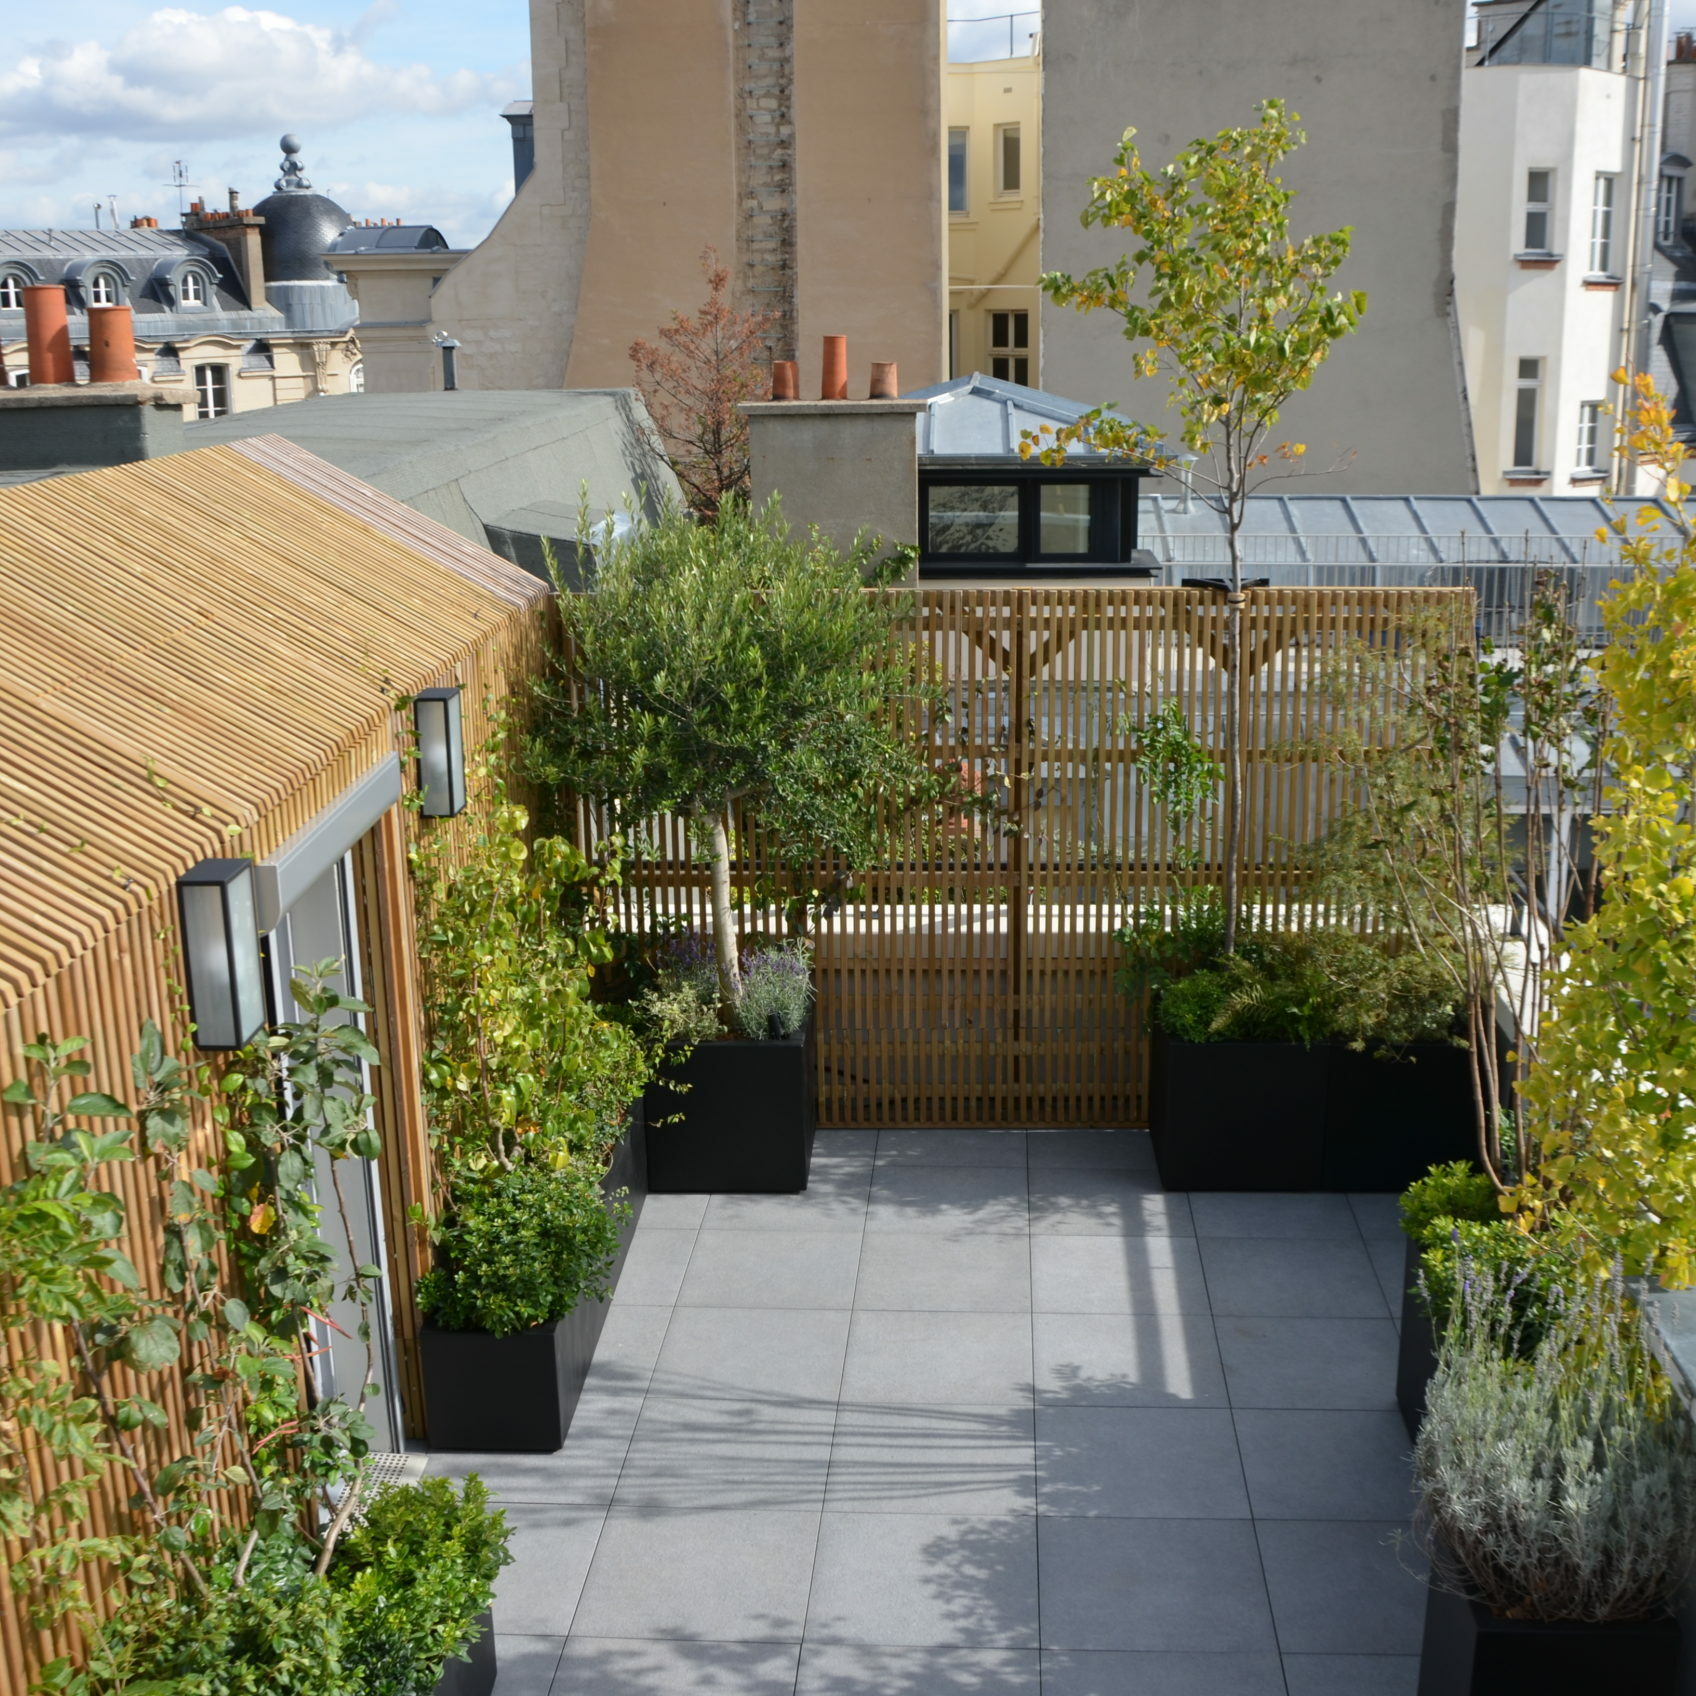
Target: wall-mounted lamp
221,946
441,752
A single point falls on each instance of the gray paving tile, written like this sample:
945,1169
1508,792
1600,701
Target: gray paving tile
524,1666
1117,1275
839,1670
1378,1215
749,1353
584,1472
1317,1363
951,1148
845,1145
1153,1584
1130,1149
1231,1214
1127,1360
948,1198
1342,1589
926,1358
959,1270
813,1269
536,1595
1103,1673
1139,1463
1102,1201
702,1452
730,1576
629,1666
917,1580
834,1200
673,1212
959,1459
1326,1465
653,1271
1258,1277
1352,1675
629,1345
1389,1261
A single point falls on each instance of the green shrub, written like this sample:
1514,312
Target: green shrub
277,1634
1559,1478
520,1248
1447,1193
1521,1267
413,1573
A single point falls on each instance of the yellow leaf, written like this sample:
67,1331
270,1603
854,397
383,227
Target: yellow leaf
262,1218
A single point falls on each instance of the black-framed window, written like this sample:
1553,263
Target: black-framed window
1001,519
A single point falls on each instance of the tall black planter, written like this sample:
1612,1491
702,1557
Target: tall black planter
1469,1652
744,1123
516,1395
1416,1353
475,1677
1389,1118
1237,1115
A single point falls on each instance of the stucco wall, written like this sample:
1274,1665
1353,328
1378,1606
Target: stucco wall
1377,85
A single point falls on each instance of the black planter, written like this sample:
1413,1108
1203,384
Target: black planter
1237,1115
475,1677
1389,1118
1416,1353
744,1124
516,1395
1469,1652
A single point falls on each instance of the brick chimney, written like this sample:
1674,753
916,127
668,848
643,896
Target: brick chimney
237,230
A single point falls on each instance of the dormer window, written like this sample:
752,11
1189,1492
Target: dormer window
103,289
193,291
11,292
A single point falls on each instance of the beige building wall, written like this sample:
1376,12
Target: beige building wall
394,293
995,244
644,112
1377,86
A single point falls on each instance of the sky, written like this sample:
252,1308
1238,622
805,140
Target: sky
396,103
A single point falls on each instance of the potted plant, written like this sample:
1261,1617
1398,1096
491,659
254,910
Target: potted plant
741,677
1558,1484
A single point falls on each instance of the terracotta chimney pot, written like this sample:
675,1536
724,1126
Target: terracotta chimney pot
834,384
111,345
48,333
785,380
886,383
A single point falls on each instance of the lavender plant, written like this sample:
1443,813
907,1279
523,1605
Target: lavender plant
1559,1479
777,989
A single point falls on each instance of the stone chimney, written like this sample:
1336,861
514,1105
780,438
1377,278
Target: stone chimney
238,231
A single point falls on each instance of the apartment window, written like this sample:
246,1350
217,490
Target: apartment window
1528,392
1590,437
356,378
1602,226
1669,207
193,289
957,169
102,289
1009,346
211,390
1539,202
11,293
1006,158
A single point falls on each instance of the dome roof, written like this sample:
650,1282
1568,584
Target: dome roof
299,225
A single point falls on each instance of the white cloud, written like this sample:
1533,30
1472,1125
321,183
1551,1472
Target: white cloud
228,73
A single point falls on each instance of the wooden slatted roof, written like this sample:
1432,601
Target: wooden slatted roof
196,653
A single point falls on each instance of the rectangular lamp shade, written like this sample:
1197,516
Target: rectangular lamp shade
441,752
221,951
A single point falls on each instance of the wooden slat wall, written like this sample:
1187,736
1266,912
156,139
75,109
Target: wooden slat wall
971,980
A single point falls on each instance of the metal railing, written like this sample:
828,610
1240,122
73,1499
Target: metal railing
983,28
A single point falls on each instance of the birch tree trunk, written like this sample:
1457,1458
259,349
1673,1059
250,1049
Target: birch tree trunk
724,926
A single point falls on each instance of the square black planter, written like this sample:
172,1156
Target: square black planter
1237,1115
516,1395
1390,1117
745,1123
1469,1652
1416,1351
475,1677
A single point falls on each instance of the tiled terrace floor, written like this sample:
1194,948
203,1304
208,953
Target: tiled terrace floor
980,1411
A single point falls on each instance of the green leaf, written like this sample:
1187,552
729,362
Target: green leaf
150,1346
93,1104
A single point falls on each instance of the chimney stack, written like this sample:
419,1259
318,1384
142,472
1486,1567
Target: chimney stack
834,382
48,332
885,381
111,345
785,380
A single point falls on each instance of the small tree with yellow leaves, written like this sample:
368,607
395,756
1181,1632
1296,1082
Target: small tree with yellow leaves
1239,317
1612,1096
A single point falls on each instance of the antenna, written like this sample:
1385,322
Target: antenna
97,214
112,203
179,181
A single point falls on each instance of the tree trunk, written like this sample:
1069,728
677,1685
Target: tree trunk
724,926
1233,738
